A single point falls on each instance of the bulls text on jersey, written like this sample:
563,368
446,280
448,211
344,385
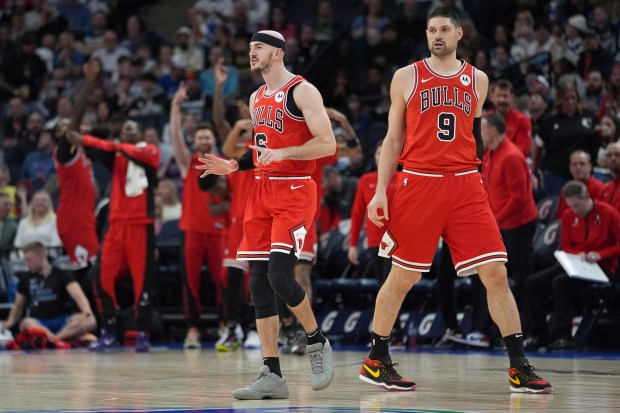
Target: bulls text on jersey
441,96
264,115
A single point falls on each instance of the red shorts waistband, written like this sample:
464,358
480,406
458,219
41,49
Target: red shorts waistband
440,174
279,175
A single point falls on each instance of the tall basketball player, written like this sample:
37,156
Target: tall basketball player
434,132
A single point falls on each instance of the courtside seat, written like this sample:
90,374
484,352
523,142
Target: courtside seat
546,242
547,208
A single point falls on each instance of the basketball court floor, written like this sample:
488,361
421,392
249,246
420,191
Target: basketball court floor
174,380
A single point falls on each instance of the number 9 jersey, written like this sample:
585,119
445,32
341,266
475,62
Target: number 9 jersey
278,123
439,117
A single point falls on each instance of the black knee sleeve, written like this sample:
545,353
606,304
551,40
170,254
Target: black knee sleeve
263,296
281,278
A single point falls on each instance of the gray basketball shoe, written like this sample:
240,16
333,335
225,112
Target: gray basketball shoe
266,386
321,362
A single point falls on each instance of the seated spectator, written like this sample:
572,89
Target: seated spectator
189,55
39,166
339,196
278,21
8,227
77,14
609,129
8,189
610,193
39,224
207,76
44,295
581,170
590,229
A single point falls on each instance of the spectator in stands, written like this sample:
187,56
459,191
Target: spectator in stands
168,199
110,54
518,126
590,229
593,56
544,41
568,129
278,21
218,11
326,24
22,72
150,103
39,222
249,15
164,61
207,77
38,166
575,27
190,56
308,46
611,100
69,55
63,110
8,189
581,170
339,195
611,191
39,14
595,90
366,29
408,21
93,40
537,109
44,296
8,227
523,35
609,129
77,14
605,28
16,117
34,128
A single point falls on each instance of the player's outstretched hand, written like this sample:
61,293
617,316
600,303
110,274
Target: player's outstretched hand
217,166
378,204
267,156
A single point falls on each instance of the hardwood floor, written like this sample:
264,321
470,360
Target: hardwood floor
177,380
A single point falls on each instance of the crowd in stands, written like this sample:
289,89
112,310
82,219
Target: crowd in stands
554,69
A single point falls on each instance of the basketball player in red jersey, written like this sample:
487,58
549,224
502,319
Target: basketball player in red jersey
434,132
76,206
291,130
130,240
202,231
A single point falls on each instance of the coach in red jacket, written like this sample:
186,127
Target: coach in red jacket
590,229
506,177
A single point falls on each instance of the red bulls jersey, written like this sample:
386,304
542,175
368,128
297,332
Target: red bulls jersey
439,117
278,123
196,216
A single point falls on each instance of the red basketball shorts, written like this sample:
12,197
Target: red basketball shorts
234,234
451,205
308,252
279,212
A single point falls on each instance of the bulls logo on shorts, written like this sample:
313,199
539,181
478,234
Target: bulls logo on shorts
387,245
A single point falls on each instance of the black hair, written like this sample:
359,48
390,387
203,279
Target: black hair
448,12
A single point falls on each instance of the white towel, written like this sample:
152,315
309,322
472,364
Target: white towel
135,180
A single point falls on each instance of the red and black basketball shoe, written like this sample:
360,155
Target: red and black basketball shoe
525,380
383,374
